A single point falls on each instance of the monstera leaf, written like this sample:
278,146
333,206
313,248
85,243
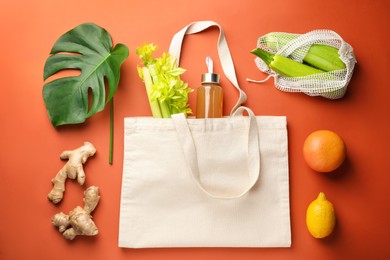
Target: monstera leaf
87,48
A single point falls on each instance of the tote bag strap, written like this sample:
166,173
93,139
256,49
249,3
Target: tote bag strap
190,154
223,52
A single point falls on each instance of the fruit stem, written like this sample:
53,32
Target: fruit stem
321,196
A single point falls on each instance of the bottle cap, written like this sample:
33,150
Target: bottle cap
210,77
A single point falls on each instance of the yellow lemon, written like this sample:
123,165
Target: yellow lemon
320,217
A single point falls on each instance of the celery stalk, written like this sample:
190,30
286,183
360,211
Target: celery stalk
164,107
154,104
165,112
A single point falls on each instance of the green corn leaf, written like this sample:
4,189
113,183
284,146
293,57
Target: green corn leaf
87,48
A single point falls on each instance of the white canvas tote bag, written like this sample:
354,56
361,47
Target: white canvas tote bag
219,182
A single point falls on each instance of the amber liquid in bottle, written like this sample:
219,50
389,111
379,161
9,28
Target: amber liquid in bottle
209,100
209,103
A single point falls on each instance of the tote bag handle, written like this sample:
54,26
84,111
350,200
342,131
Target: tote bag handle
183,130
223,52
190,154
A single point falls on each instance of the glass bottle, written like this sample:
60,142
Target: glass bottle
209,98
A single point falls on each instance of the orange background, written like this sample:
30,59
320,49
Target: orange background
30,145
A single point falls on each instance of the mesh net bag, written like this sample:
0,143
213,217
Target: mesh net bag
331,85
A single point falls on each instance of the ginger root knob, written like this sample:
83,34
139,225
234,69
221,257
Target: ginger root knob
72,169
79,221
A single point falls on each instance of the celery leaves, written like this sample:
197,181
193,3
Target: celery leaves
167,93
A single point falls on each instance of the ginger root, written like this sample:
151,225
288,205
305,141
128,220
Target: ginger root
72,169
79,221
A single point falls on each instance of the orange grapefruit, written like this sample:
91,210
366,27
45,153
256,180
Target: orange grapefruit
324,151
